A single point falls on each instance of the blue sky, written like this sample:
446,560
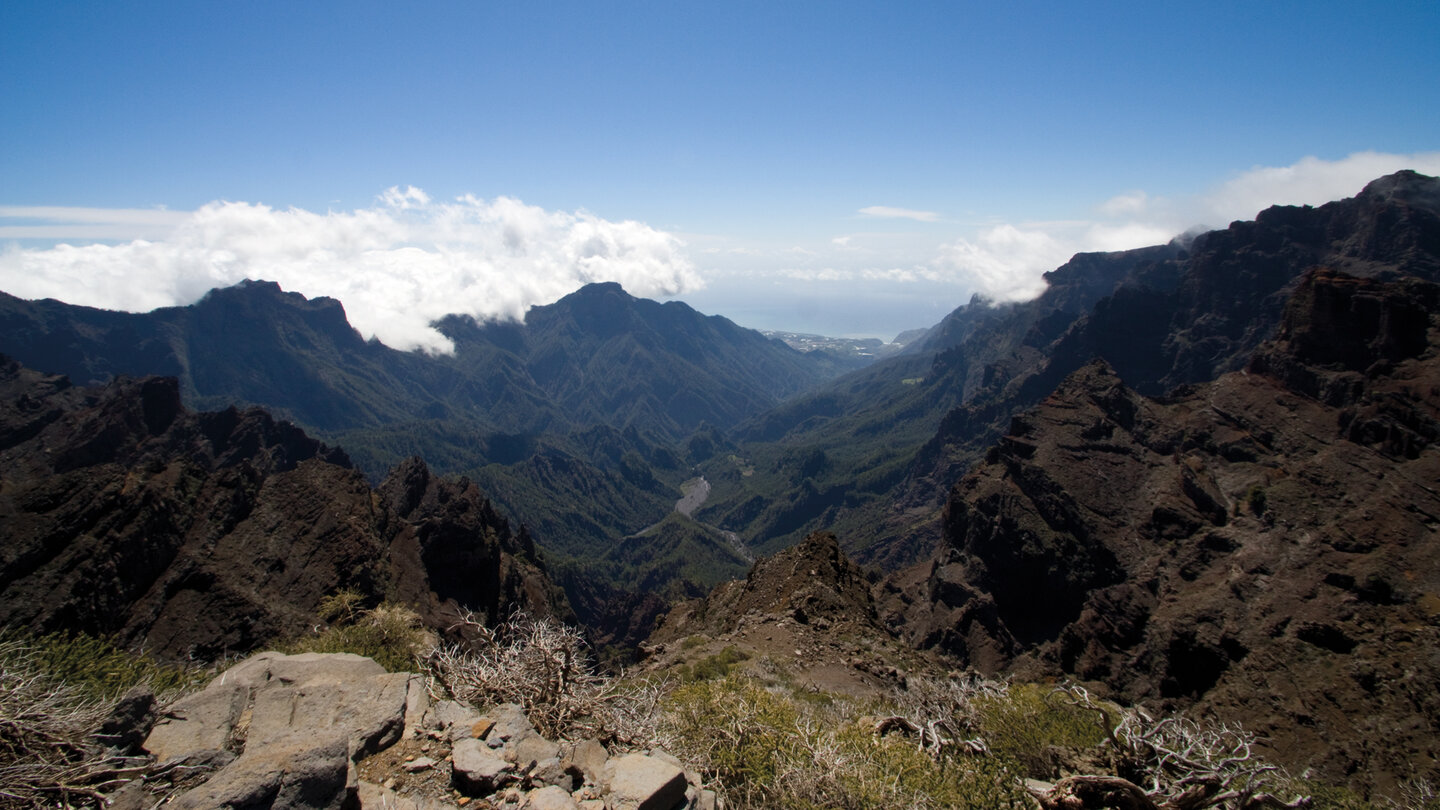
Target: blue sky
841,167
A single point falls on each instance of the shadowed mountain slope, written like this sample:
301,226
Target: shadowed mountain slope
203,534
894,436
573,421
1264,546
596,357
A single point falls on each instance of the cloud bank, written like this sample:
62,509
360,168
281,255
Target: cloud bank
397,267
1005,262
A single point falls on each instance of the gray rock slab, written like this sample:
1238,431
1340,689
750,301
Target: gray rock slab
368,710
299,774
476,770
271,697
417,705
554,771
549,798
203,721
529,747
590,757
510,722
305,668
638,782
455,720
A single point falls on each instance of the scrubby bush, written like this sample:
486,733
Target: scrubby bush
100,669
1027,720
764,747
47,757
713,666
391,634
1173,763
546,667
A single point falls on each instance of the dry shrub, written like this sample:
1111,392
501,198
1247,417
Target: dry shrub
1417,794
46,757
545,667
1172,764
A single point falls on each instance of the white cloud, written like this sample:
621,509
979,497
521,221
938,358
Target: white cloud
1130,203
397,267
888,212
901,275
1310,181
410,197
1005,262
56,222
817,274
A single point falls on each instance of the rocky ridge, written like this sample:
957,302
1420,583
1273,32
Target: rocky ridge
808,609
1263,547
1161,317
197,535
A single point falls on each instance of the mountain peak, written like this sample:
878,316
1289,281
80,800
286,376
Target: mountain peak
601,288
1407,186
261,290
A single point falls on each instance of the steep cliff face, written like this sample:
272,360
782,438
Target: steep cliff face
1185,318
1265,547
203,534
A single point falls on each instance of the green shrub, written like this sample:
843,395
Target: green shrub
391,634
1255,499
1029,718
98,668
342,607
713,666
771,748
743,734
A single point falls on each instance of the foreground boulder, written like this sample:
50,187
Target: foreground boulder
294,725
639,782
337,731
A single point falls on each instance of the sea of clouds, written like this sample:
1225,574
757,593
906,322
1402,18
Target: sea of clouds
408,260
397,267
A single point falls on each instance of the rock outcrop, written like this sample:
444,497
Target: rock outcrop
1261,548
336,731
198,535
808,608
811,582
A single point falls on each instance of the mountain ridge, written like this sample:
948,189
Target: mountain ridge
196,535
898,433
1263,545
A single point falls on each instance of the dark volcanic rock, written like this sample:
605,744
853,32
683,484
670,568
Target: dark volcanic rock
1181,318
204,534
1263,548
811,581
